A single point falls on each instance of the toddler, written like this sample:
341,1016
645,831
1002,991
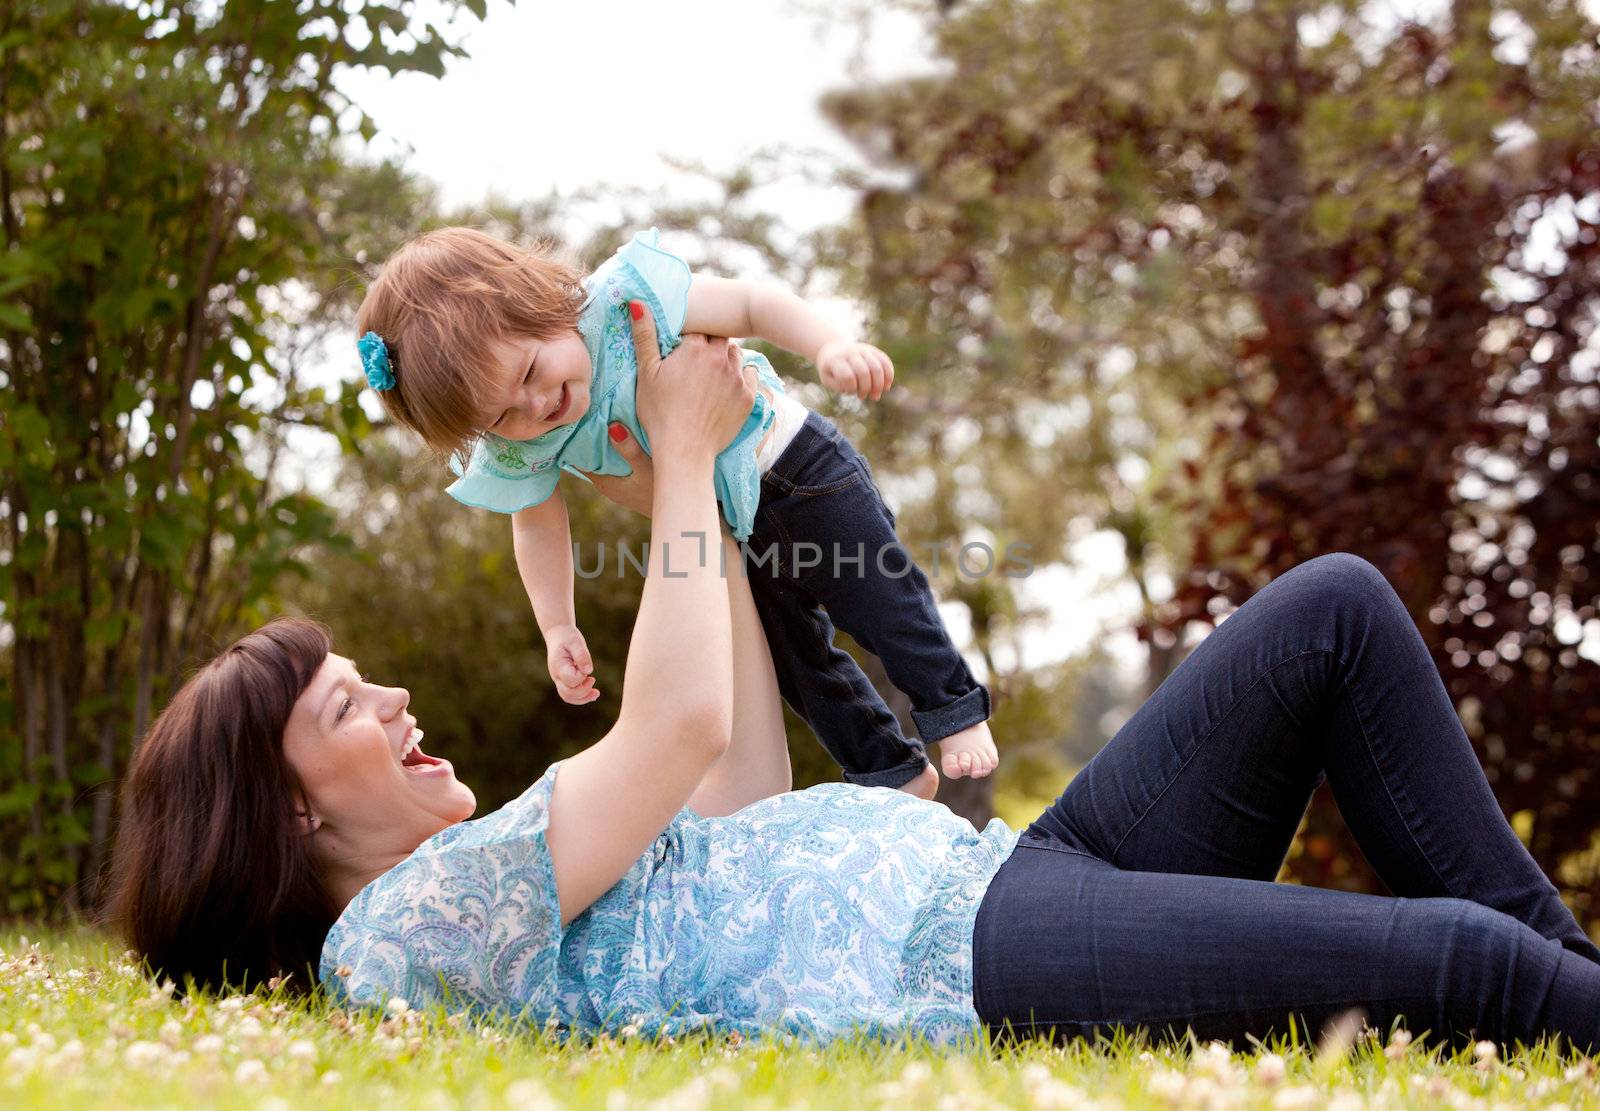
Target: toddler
516,367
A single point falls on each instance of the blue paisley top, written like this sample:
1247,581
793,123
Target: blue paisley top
817,913
508,475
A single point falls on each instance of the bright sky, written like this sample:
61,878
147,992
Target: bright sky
563,96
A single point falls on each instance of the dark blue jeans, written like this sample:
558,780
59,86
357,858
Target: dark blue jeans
1144,897
823,553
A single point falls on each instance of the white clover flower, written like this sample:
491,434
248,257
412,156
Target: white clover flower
1438,1087
248,1027
528,1094
171,1032
1049,1093
397,1006
916,1074
301,1049
1295,1097
1345,1101
22,1059
142,1054
1167,1084
1271,1069
72,1051
1399,1043
250,1071
331,1077
231,1004
208,1043
1485,1050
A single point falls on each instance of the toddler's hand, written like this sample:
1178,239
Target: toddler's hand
567,655
857,368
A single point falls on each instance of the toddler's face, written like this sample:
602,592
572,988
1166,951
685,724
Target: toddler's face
539,384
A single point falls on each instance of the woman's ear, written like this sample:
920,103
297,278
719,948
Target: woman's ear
309,823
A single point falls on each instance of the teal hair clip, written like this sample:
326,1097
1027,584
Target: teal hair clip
375,361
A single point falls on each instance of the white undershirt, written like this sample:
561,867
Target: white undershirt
788,416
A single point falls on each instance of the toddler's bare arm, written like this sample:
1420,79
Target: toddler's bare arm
541,536
724,307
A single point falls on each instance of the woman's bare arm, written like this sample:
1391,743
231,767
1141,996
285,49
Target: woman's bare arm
756,764
615,797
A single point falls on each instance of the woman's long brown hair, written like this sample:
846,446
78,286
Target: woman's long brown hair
212,878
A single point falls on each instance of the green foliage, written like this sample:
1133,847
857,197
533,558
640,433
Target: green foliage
178,209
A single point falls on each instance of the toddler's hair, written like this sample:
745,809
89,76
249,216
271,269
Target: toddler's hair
440,302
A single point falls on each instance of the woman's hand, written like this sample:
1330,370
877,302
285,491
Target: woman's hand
697,398
631,491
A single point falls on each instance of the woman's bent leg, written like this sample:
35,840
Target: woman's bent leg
1322,672
1069,945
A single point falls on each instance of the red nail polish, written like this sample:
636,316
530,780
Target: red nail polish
635,310
617,433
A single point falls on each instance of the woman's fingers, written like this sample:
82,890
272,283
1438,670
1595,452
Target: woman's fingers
695,395
645,346
631,491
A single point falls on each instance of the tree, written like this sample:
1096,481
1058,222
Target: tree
177,204
1318,229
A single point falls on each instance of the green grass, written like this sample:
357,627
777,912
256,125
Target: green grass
80,1027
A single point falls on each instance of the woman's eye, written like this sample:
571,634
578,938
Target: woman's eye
344,708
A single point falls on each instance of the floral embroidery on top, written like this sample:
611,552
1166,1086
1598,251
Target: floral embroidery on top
508,455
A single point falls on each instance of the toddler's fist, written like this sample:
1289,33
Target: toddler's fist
857,368
567,655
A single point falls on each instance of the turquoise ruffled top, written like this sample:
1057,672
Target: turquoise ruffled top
508,475
820,913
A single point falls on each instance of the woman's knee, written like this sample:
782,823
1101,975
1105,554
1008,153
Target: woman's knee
1479,951
1341,583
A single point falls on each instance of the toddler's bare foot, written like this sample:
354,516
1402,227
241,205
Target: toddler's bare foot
969,752
924,785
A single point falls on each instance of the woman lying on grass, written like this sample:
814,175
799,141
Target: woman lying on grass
281,817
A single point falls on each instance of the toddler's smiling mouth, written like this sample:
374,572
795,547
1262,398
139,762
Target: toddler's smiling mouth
561,406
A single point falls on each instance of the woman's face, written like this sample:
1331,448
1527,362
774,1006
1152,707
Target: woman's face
353,746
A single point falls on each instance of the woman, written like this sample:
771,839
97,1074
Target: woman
281,794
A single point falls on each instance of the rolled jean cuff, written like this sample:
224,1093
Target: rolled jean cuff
897,776
953,717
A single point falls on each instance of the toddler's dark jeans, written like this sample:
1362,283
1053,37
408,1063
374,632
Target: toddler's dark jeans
1144,897
823,553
